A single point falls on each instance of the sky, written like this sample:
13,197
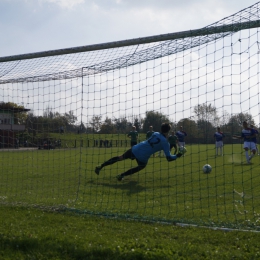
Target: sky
28,26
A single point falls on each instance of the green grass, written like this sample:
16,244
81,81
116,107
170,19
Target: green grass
30,233
174,192
53,205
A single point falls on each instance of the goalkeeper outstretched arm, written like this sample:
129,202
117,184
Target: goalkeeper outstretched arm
171,157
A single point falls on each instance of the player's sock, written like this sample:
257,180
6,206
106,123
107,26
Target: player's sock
133,170
110,161
247,156
251,156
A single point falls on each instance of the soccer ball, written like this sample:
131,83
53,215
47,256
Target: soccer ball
206,168
182,150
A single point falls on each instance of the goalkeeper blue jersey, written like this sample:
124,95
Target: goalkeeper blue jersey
155,143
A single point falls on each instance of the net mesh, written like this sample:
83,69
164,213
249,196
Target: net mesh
83,105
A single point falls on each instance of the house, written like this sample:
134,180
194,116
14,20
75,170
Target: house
9,124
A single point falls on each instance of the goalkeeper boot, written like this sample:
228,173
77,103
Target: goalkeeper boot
179,154
98,169
119,177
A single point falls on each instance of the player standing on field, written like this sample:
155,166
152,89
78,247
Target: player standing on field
149,133
181,137
173,140
256,132
143,151
133,135
248,134
219,141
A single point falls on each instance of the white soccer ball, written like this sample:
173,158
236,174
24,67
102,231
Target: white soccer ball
206,168
182,149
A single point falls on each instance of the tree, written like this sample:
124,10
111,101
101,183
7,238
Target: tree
70,117
138,124
122,125
224,119
236,121
31,123
48,113
96,123
107,127
207,113
81,128
52,121
205,132
155,119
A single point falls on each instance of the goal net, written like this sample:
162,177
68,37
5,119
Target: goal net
64,112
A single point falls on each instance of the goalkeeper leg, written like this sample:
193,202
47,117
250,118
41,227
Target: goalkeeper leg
109,162
127,155
140,167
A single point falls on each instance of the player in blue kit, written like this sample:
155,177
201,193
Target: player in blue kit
248,134
219,141
143,151
181,137
257,133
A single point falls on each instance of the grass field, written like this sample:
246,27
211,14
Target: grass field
174,192
55,207
31,233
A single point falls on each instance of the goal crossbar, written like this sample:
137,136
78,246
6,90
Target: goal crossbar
229,28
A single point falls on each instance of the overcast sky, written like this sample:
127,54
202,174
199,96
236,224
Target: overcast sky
29,26
39,25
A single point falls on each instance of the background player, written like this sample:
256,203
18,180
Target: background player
219,141
181,137
173,141
149,133
142,152
256,132
248,135
133,135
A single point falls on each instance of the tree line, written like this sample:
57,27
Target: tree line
200,127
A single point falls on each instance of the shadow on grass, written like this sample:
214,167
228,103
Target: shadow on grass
32,248
132,187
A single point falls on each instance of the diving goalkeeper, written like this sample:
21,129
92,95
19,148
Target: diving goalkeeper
142,152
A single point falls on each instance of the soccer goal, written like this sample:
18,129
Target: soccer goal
63,112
